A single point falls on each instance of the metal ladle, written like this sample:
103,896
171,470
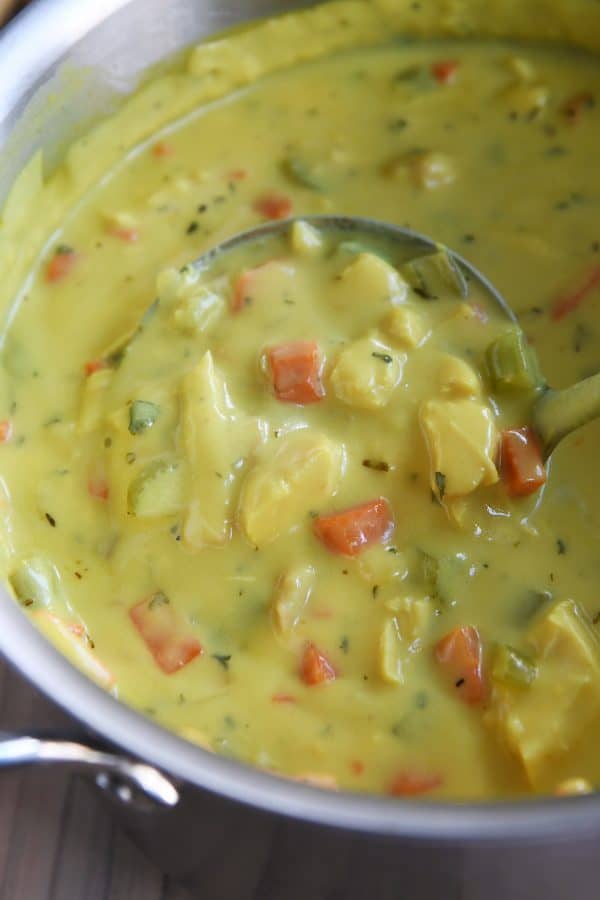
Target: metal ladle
555,413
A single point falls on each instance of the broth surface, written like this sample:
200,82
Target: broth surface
489,147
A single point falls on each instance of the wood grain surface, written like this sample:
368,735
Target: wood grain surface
57,841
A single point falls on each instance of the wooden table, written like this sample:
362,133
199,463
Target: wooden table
57,841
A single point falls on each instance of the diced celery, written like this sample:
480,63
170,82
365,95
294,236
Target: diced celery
303,172
142,416
435,276
36,582
512,363
512,667
157,491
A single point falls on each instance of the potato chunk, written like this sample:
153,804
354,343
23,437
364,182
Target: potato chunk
369,278
461,438
401,638
406,327
541,722
457,379
292,593
282,488
366,373
214,436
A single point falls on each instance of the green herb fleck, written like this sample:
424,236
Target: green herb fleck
378,465
158,599
561,547
440,483
384,357
223,659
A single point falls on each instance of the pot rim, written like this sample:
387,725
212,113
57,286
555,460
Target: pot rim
450,822
39,662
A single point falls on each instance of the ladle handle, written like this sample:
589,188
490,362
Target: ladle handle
558,413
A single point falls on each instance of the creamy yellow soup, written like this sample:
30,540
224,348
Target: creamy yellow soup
335,577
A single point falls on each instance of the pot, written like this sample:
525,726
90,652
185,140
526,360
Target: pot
227,829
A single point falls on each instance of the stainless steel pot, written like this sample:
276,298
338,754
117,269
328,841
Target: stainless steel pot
230,830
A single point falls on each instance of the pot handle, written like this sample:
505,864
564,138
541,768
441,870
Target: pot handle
127,781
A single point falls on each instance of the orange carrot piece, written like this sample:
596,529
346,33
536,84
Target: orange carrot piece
94,365
60,265
315,668
445,71
98,488
127,235
162,632
412,784
237,174
520,461
283,698
273,206
460,656
575,105
162,149
6,431
352,530
296,372
572,299
357,766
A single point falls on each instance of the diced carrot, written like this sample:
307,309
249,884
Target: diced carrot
283,698
296,372
237,174
98,488
575,105
273,206
411,784
357,766
6,430
460,656
94,365
162,632
60,265
445,70
162,149
572,299
315,668
520,461
353,530
127,235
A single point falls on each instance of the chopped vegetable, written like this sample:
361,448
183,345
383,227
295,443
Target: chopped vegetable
366,373
521,462
273,206
300,171
444,71
571,300
460,657
158,490
127,235
98,487
287,482
296,372
512,667
436,275
37,582
94,365
292,593
315,668
142,416
162,149
512,363
412,783
352,530
575,105
6,430
72,640
61,264
163,633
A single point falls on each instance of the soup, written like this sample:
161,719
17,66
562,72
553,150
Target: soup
330,574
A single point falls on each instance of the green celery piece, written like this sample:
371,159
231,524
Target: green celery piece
510,666
512,363
142,416
157,490
436,276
